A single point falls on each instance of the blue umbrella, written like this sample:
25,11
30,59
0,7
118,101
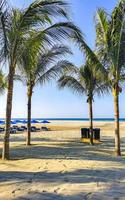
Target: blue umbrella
2,122
18,121
34,121
45,122
24,121
13,122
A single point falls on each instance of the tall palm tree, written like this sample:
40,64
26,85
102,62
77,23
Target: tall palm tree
110,53
88,80
39,67
110,42
16,26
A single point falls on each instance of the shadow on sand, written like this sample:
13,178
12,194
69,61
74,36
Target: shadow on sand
46,148
68,150
111,178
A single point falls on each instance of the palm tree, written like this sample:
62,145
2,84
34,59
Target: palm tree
110,40
39,67
86,80
110,53
16,26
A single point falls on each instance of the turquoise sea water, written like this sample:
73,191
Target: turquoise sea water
72,119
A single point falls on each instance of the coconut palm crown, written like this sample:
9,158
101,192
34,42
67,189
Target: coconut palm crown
86,80
39,68
110,43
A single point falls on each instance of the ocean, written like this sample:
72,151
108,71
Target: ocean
71,119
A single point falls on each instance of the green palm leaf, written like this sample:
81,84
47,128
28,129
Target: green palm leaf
41,11
54,71
71,83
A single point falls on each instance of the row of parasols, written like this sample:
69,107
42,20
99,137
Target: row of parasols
2,122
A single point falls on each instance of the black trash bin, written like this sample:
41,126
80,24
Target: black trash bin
85,133
96,133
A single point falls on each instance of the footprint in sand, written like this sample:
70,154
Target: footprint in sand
64,165
46,166
14,191
56,190
39,167
44,191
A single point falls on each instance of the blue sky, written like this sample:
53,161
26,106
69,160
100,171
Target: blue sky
48,101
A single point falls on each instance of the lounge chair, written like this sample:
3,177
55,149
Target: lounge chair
20,129
15,127
13,130
34,129
24,127
43,128
2,129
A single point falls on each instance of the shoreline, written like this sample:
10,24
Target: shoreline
70,119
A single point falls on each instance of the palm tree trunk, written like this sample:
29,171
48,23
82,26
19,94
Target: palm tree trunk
5,153
91,121
28,139
117,130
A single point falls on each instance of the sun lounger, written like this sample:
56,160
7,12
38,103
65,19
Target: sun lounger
24,127
34,129
45,128
15,127
1,129
12,130
20,129
38,129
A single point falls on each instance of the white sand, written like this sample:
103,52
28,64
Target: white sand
59,167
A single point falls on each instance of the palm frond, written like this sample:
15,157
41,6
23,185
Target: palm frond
86,80
102,88
90,55
117,33
21,78
102,34
3,82
4,15
111,40
41,12
25,22
54,71
71,83
50,56
57,32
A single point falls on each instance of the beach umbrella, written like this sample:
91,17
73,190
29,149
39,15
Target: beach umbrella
34,121
24,121
2,122
13,122
18,121
45,122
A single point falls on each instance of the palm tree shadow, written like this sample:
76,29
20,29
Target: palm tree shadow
111,178
113,192
48,148
77,176
72,150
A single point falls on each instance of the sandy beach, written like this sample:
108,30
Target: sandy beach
58,166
